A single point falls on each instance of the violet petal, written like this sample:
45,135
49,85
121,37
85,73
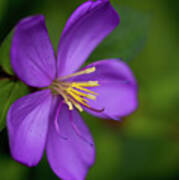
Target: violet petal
70,150
27,123
86,28
32,55
117,90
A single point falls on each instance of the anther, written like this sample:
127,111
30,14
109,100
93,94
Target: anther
78,107
90,70
69,105
86,71
89,96
86,84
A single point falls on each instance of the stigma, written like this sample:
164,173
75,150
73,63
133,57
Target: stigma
76,94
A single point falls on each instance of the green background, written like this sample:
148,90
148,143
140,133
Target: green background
144,145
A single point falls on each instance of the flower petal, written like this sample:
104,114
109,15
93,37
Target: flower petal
117,90
70,151
27,124
86,28
32,55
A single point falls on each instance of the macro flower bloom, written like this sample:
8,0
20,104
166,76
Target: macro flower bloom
49,119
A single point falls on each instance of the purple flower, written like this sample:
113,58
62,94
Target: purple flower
49,118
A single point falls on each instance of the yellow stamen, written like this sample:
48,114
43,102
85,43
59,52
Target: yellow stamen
89,96
76,97
70,105
86,84
75,94
86,71
85,90
78,106
81,102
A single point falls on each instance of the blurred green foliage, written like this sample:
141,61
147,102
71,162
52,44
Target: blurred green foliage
144,145
10,90
5,55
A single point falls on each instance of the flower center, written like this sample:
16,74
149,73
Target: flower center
76,94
